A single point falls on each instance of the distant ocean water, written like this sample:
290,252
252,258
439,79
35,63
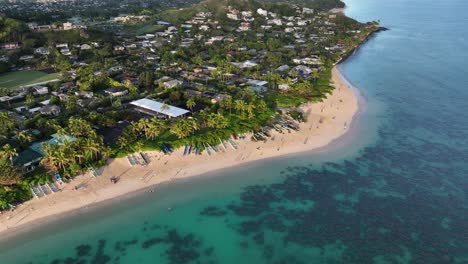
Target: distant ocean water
394,190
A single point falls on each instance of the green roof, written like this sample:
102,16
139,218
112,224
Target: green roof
56,139
27,156
35,151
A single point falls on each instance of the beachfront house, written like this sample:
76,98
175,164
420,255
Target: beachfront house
158,109
30,158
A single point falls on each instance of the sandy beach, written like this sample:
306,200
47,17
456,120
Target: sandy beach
327,121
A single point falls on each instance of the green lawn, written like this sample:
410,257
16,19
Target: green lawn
13,80
148,29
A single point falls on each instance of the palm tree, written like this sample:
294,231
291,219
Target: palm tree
58,156
91,147
8,153
183,127
216,120
139,145
261,105
239,105
315,76
165,107
143,126
191,103
24,137
154,128
249,108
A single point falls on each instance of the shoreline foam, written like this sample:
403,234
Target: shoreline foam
327,121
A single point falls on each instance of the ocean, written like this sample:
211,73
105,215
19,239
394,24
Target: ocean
392,190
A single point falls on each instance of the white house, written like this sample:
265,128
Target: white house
85,47
40,90
42,51
262,12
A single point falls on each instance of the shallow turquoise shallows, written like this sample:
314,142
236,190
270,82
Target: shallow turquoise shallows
393,190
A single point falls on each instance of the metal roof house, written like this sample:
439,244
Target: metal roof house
157,109
31,157
257,86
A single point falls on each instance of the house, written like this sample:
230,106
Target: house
283,68
116,91
303,70
31,157
307,10
283,87
35,110
28,160
26,58
62,45
244,26
86,94
245,64
63,97
10,46
85,47
157,109
45,102
275,21
66,52
40,90
262,12
257,86
50,110
172,83
67,26
21,109
232,16
42,51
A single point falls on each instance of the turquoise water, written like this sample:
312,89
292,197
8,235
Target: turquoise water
394,190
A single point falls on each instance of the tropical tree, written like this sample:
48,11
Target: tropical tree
24,137
216,120
8,153
9,175
90,147
239,105
78,127
182,128
165,107
249,108
58,156
154,128
315,75
142,125
191,104
228,103
7,125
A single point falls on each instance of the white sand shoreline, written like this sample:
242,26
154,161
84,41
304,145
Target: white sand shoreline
336,114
